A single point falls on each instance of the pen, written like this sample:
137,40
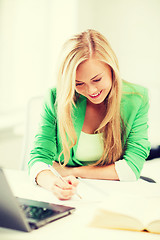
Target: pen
53,170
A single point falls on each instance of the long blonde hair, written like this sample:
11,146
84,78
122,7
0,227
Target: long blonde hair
76,50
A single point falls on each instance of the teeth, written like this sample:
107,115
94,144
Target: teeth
95,94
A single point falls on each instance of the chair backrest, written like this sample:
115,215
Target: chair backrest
154,116
33,112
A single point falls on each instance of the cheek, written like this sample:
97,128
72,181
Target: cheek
79,90
108,84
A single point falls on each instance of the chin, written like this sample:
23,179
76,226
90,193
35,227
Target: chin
96,102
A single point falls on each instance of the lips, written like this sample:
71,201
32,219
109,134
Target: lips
96,95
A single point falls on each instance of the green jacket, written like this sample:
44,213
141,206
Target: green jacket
134,112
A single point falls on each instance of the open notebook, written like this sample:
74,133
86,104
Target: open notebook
128,212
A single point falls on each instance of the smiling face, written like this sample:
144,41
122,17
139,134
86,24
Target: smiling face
94,80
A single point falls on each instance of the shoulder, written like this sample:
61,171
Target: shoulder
50,95
134,99
132,88
133,94
50,100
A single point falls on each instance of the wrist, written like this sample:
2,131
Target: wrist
75,172
45,179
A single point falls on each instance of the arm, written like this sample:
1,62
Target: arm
96,172
45,152
137,146
45,142
92,172
118,171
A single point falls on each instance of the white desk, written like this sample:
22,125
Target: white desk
75,225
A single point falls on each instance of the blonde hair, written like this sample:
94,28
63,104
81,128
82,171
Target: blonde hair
76,50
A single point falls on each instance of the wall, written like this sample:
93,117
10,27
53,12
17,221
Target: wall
11,146
133,30
132,27
31,35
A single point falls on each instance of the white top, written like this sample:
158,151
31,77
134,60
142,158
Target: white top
90,149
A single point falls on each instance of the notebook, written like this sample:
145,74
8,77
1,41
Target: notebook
24,214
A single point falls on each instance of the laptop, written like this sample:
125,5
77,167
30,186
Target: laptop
26,215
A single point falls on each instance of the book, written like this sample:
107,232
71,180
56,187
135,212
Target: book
128,213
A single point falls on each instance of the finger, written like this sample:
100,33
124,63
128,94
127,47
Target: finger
63,194
72,180
62,184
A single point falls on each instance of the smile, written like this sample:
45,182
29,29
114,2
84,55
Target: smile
95,95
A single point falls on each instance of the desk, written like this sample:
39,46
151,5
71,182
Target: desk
75,226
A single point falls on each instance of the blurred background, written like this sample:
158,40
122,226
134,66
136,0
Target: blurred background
31,36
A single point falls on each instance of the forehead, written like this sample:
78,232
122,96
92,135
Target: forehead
90,68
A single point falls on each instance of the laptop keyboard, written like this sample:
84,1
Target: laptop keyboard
37,213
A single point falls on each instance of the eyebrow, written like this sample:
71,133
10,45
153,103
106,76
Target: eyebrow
92,77
96,76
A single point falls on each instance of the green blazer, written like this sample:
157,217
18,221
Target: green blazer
134,112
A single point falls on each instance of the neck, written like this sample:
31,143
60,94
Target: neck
100,106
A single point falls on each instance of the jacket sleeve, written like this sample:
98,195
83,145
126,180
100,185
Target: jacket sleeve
45,143
137,146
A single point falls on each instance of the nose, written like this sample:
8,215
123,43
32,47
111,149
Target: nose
91,89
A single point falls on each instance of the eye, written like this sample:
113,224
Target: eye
97,80
79,84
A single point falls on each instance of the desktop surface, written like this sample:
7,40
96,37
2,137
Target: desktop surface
76,225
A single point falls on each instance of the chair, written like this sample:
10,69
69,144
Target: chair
33,111
154,116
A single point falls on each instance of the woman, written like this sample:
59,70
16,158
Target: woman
94,125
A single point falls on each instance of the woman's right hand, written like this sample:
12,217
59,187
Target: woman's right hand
61,189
